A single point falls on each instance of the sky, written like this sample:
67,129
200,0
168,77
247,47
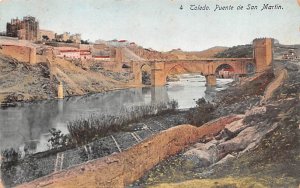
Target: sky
161,24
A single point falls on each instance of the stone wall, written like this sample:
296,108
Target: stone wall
280,77
21,53
118,170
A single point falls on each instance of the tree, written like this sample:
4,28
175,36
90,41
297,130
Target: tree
69,41
45,37
58,139
84,41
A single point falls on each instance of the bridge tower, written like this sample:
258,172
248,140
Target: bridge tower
263,53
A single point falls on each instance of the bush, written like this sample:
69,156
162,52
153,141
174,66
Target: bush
173,104
58,140
202,113
10,156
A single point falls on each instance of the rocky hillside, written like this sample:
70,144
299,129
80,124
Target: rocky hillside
23,82
148,54
260,150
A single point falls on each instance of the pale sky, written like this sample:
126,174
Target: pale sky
160,24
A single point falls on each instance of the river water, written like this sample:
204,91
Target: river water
28,124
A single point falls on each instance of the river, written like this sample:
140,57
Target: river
28,124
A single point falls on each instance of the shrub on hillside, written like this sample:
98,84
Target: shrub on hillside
173,104
202,113
10,157
58,139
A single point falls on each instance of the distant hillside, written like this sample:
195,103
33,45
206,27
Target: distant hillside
138,52
240,51
246,51
211,52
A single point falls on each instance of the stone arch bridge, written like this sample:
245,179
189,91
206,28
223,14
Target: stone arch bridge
160,69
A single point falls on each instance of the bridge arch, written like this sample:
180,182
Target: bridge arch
182,68
177,69
170,74
250,68
145,74
224,70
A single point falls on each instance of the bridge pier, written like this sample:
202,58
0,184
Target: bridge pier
135,69
211,80
158,77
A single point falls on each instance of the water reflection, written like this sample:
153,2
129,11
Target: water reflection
27,126
210,93
159,94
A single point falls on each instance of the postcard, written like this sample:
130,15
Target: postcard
140,93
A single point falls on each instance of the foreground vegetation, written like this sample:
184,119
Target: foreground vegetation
85,130
202,113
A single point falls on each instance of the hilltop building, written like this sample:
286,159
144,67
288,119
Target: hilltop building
75,54
46,35
115,43
26,29
67,37
290,55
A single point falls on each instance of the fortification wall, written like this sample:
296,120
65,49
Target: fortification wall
124,168
21,53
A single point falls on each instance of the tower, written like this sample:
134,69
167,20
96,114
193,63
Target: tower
263,53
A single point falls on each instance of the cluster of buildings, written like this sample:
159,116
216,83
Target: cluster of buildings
290,55
28,29
97,51
65,45
116,43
